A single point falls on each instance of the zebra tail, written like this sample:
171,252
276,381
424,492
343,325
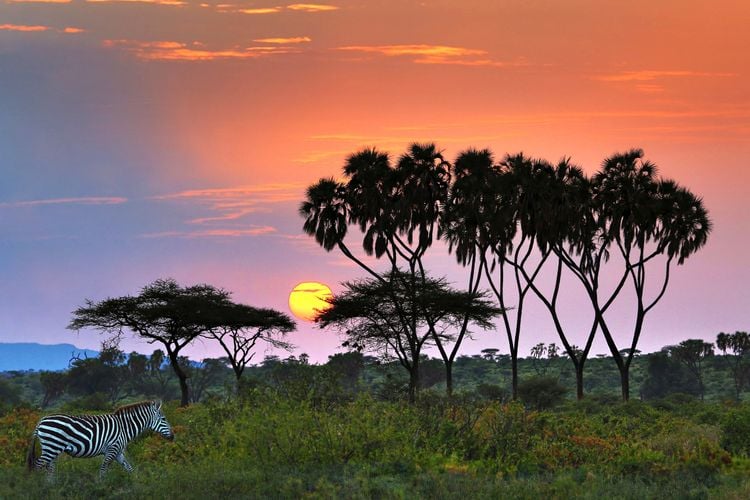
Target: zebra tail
31,455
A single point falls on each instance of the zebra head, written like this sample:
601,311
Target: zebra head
159,421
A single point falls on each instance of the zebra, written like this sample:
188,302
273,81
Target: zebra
91,435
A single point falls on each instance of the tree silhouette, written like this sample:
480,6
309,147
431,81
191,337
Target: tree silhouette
165,313
642,218
367,315
564,231
240,327
397,210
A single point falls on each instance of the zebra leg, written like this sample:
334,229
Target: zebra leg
48,462
51,470
110,455
124,462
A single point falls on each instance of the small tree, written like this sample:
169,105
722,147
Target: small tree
692,353
54,384
165,313
368,313
240,327
738,343
665,375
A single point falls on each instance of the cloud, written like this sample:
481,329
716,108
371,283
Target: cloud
178,51
472,62
311,7
90,200
23,27
435,54
258,11
651,75
229,204
296,39
38,1
415,50
171,3
214,233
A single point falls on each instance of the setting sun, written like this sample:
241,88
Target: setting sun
308,299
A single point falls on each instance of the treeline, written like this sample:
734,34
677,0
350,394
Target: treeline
518,227
515,226
691,369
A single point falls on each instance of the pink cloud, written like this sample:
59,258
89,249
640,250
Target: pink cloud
90,200
214,233
228,204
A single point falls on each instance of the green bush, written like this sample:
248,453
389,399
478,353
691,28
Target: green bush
541,393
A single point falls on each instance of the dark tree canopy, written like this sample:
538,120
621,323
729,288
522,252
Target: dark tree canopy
368,314
239,328
169,314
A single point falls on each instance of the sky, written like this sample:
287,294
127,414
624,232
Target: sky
145,139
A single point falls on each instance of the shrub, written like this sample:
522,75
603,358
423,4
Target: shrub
541,393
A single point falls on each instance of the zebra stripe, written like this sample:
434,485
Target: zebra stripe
91,435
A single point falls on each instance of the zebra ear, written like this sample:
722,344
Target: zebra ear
157,404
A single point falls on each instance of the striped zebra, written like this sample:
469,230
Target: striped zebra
91,435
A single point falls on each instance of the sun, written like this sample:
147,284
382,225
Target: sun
307,300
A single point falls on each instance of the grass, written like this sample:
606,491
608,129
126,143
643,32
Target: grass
266,446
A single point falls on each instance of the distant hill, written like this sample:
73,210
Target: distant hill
32,356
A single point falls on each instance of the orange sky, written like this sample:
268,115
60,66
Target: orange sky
205,121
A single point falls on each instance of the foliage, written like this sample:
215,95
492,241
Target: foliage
541,392
268,444
165,312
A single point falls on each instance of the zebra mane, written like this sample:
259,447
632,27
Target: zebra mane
132,407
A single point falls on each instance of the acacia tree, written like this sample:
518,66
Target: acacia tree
165,313
738,343
240,327
367,315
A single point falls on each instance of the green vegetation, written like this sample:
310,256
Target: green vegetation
263,443
346,429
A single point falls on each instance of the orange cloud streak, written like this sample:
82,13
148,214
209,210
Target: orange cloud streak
171,3
38,1
312,7
415,50
296,39
650,75
178,51
258,11
22,27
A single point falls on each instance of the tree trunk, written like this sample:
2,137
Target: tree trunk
625,382
414,380
514,375
182,377
579,381
449,378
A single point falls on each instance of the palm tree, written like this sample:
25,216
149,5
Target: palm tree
389,205
465,227
641,218
563,225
